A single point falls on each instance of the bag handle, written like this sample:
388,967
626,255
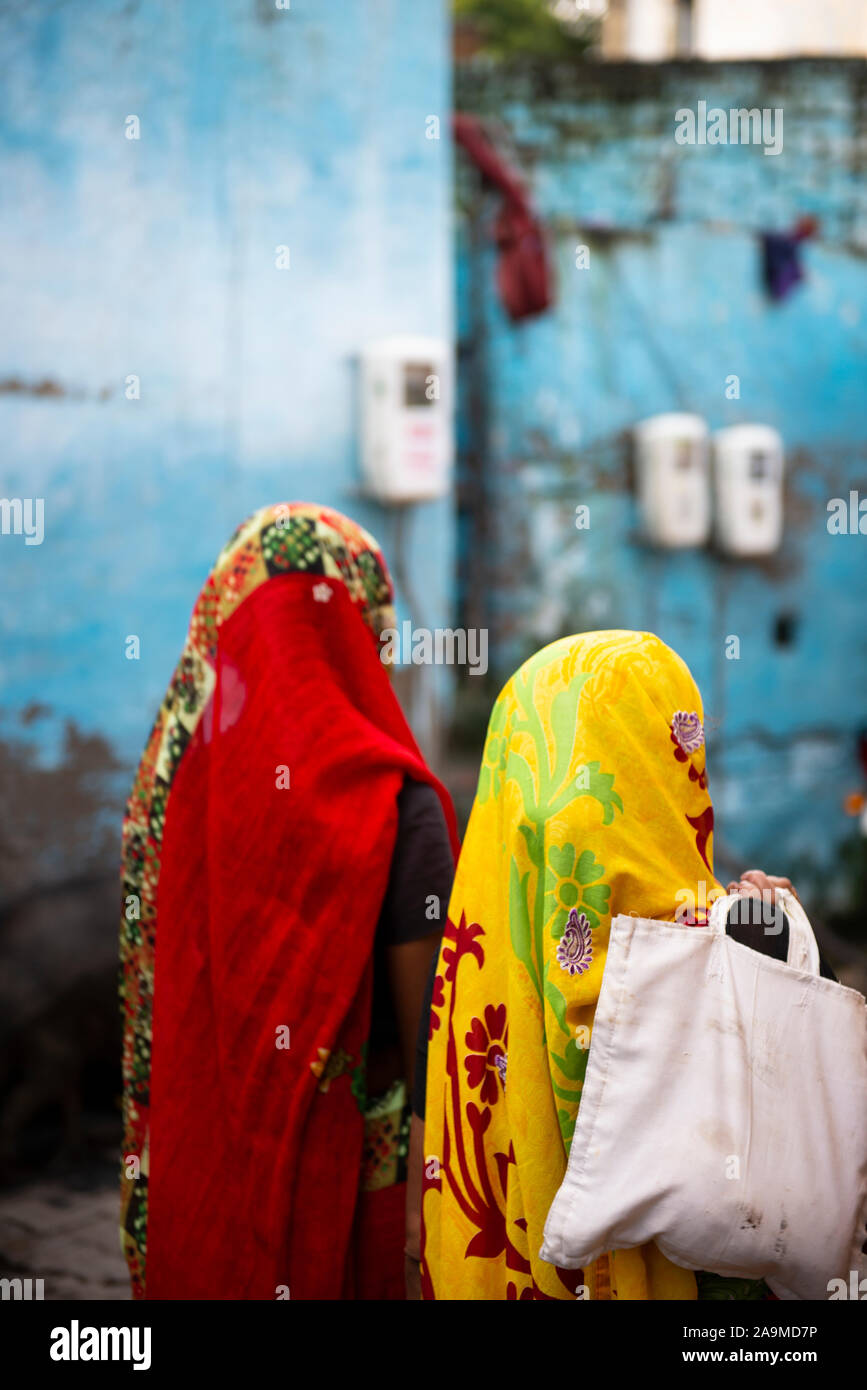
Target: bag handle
803,951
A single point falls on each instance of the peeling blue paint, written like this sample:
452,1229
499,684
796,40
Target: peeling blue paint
670,306
156,257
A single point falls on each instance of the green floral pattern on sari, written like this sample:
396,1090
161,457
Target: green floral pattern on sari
572,881
569,877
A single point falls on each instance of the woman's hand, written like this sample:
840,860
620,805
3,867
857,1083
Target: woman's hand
412,1278
756,884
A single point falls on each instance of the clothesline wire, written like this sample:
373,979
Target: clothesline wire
561,223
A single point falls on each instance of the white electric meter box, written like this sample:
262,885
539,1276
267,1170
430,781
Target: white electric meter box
673,479
748,487
405,424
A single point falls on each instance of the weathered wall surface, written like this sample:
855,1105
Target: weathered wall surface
260,127
670,306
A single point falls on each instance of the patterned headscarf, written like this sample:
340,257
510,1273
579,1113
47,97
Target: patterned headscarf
265,667
592,800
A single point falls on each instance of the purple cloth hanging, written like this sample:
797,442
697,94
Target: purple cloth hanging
781,258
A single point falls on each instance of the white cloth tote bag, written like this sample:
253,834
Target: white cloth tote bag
724,1110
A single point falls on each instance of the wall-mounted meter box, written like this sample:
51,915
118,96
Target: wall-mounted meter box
673,479
405,418
748,486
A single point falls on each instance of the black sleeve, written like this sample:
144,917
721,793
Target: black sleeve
419,1085
745,924
422,868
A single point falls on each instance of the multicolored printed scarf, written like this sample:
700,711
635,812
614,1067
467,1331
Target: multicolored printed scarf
592,800
256,849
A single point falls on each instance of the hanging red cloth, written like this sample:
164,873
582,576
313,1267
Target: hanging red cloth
524,274
258,839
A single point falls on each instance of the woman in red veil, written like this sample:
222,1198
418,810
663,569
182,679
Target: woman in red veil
287,860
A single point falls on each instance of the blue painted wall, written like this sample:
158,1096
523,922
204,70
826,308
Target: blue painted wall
260,127
670,306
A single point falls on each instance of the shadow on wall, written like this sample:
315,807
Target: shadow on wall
59,914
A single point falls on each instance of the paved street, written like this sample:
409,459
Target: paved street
51,1230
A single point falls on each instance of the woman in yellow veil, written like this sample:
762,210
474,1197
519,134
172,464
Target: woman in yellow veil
592,800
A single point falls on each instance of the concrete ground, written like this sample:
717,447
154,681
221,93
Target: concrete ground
62,1227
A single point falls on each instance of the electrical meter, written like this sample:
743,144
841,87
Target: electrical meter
406,432
748,486
671,456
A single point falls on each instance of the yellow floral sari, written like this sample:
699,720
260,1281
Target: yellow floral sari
592,800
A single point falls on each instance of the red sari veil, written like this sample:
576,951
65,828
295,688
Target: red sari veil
256,850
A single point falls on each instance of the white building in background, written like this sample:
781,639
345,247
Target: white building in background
652,31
